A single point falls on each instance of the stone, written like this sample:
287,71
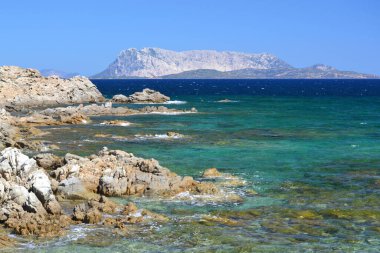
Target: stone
104,205
40,184
39,225
119,98
116,123
13,163
79,212
174,135
74,119
211,220
92,216
212,172
72,188
27,202
6,242
145,96
89,213
130,208
48,161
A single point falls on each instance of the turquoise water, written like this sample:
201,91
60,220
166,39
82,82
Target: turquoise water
314,162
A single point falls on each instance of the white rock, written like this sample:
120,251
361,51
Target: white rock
18,194
155,62
39,183
15,163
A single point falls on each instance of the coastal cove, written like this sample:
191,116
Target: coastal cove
190,126
309,161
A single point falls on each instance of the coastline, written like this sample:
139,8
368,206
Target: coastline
36,189
284,172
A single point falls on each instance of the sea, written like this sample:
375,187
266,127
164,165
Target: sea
307,150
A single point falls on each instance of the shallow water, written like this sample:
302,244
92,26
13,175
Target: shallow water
313,160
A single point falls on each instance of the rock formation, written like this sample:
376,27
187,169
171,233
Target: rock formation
26,87
29,196
146,96
118,173
99,110
27,202
12,134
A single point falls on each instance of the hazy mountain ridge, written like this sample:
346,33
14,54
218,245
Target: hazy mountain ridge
314,72
161,63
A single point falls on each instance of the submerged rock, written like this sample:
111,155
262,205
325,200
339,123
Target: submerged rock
146,96
6,242
223,179
171,134
120,98
212,172
107,212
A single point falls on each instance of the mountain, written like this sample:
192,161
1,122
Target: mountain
61,74
161,63
156,62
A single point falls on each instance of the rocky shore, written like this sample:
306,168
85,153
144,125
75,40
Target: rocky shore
31,190
21,87
43,195
28,93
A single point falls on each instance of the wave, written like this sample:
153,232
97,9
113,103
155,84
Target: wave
121,123
175,102
227,101
170,102
170,113
157,136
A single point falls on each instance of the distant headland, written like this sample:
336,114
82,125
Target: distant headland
210,64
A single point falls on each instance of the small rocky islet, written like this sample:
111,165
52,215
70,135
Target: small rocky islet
44,196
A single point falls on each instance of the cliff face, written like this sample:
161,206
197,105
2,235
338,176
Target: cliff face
155,62
26,87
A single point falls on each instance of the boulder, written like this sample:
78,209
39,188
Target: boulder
145,96
15,164
120,99
27,202
48,161
40,184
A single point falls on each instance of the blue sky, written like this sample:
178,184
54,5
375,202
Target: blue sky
85,36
